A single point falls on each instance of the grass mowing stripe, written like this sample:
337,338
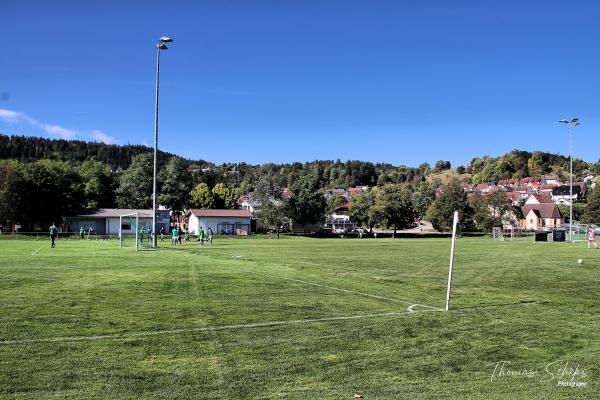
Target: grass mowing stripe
358,293
208,328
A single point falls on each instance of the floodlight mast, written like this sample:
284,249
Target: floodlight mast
160,45
571,123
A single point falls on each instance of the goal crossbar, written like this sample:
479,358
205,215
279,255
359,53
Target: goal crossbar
135,229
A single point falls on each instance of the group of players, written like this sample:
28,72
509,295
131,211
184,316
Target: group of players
202,236
176,233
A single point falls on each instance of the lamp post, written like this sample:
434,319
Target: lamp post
573,122
160,45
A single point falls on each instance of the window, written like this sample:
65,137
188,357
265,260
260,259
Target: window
126,226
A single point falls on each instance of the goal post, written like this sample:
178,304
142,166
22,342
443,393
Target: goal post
497,233
129,222
579,232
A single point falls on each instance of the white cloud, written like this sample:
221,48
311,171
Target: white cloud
58,131
102,137
11,116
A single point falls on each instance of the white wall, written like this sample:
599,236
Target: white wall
205,222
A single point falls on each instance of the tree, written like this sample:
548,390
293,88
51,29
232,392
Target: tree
441,211
135,183
201,196
223,196
334,201
394,203
362,209
492,210
423,196
51,190
99,184
307,206
592,208
271,208
441,165
578,211
174,182
12,182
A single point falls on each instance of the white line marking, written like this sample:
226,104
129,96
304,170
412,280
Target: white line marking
364,294
411,308
35,252
204,329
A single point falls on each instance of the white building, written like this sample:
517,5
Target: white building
105,221
222,222
339,219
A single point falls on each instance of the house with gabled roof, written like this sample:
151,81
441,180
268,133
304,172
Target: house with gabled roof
220,221
339,219
539,213
105,221
562,194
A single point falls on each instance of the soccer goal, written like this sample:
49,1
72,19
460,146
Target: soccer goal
129,225
580,232
497,233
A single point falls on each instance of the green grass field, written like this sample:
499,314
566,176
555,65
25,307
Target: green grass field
298,318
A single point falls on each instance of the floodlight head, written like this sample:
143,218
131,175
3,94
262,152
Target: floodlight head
161,46
563,121
574,120
165,39
575,123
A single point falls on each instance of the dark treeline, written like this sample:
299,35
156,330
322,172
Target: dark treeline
42,180
30,149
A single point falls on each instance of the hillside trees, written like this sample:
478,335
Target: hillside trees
272,209
441,211
99,184
135,183
491,211
423,196
223,196
174,185
592,208
12,182
362,209
334,201
393,205
201,196
307,206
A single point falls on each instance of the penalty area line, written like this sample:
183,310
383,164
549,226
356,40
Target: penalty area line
134,335
37,251
410,308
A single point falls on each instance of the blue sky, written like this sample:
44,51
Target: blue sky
404,82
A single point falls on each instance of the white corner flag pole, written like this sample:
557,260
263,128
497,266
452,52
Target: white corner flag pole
454,223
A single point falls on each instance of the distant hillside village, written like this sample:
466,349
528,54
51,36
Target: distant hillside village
92,186
535,201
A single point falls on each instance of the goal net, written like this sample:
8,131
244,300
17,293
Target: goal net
133,232
497,233
580,232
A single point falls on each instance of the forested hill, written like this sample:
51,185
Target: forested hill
30,149
514,164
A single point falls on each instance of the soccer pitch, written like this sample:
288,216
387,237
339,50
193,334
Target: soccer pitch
296,318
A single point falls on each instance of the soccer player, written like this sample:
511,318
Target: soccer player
201,236
141,234
81,232
591,237
210,235
53,233
175,235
